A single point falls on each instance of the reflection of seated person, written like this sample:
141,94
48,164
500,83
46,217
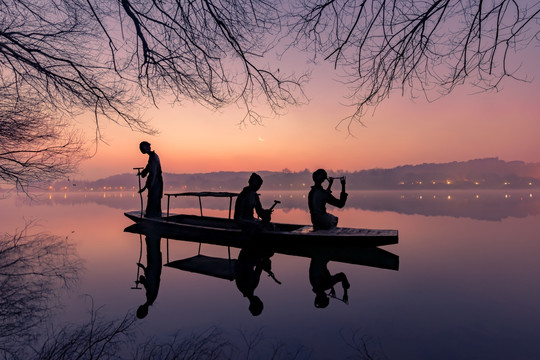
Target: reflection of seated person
248,269
247,202
321,280
152,273
319,197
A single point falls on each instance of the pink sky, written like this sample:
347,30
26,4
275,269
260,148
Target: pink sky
460,126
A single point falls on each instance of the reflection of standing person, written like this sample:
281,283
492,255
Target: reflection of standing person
152,273
247,202
154,182
248,269
321,280
319,197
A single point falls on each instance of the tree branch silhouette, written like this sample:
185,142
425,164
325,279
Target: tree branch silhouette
418,47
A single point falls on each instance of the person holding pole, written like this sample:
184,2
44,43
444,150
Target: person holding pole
154,181
318,198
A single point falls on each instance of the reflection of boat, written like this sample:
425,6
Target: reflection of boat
192,227
368,256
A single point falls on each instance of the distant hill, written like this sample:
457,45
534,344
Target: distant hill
488,173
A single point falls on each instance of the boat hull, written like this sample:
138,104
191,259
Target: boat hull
222,231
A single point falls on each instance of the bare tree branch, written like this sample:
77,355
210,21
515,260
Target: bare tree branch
384,45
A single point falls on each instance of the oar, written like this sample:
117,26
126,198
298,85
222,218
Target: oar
140,194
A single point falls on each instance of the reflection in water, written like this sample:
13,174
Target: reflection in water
33,268
152,272
483,204
249,266
321,280
245,271
252,260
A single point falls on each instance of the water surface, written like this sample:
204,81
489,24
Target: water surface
466,287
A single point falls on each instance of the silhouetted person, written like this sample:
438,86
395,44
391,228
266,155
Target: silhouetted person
154,182
319,197
152,273
247,203
321,280
248,268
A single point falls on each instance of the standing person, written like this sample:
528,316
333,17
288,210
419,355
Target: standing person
247,202
319,197
154,182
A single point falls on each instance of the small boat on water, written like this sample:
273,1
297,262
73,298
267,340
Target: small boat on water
194,227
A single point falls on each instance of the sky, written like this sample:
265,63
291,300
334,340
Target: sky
461,126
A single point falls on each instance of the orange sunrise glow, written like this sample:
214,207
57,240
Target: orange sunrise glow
464,125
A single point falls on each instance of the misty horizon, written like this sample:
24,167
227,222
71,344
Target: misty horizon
487,173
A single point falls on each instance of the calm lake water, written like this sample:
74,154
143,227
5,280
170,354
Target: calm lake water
467,286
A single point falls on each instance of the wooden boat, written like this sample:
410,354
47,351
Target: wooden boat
193,228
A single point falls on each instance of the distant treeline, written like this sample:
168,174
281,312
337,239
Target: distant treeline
489,173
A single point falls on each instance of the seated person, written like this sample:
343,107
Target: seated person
247,202
319,197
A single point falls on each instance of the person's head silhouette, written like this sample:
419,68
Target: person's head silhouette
256,305
319,176
255,181
321,300
144,146
142,311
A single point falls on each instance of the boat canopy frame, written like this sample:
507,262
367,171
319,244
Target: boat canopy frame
202,194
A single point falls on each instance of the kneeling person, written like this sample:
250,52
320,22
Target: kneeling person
318,198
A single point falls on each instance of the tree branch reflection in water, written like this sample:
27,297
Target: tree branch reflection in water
33,267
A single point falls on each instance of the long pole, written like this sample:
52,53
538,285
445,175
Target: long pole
136,287
140,194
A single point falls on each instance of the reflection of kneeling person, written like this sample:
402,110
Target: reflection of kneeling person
319,197
247,202
321,280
